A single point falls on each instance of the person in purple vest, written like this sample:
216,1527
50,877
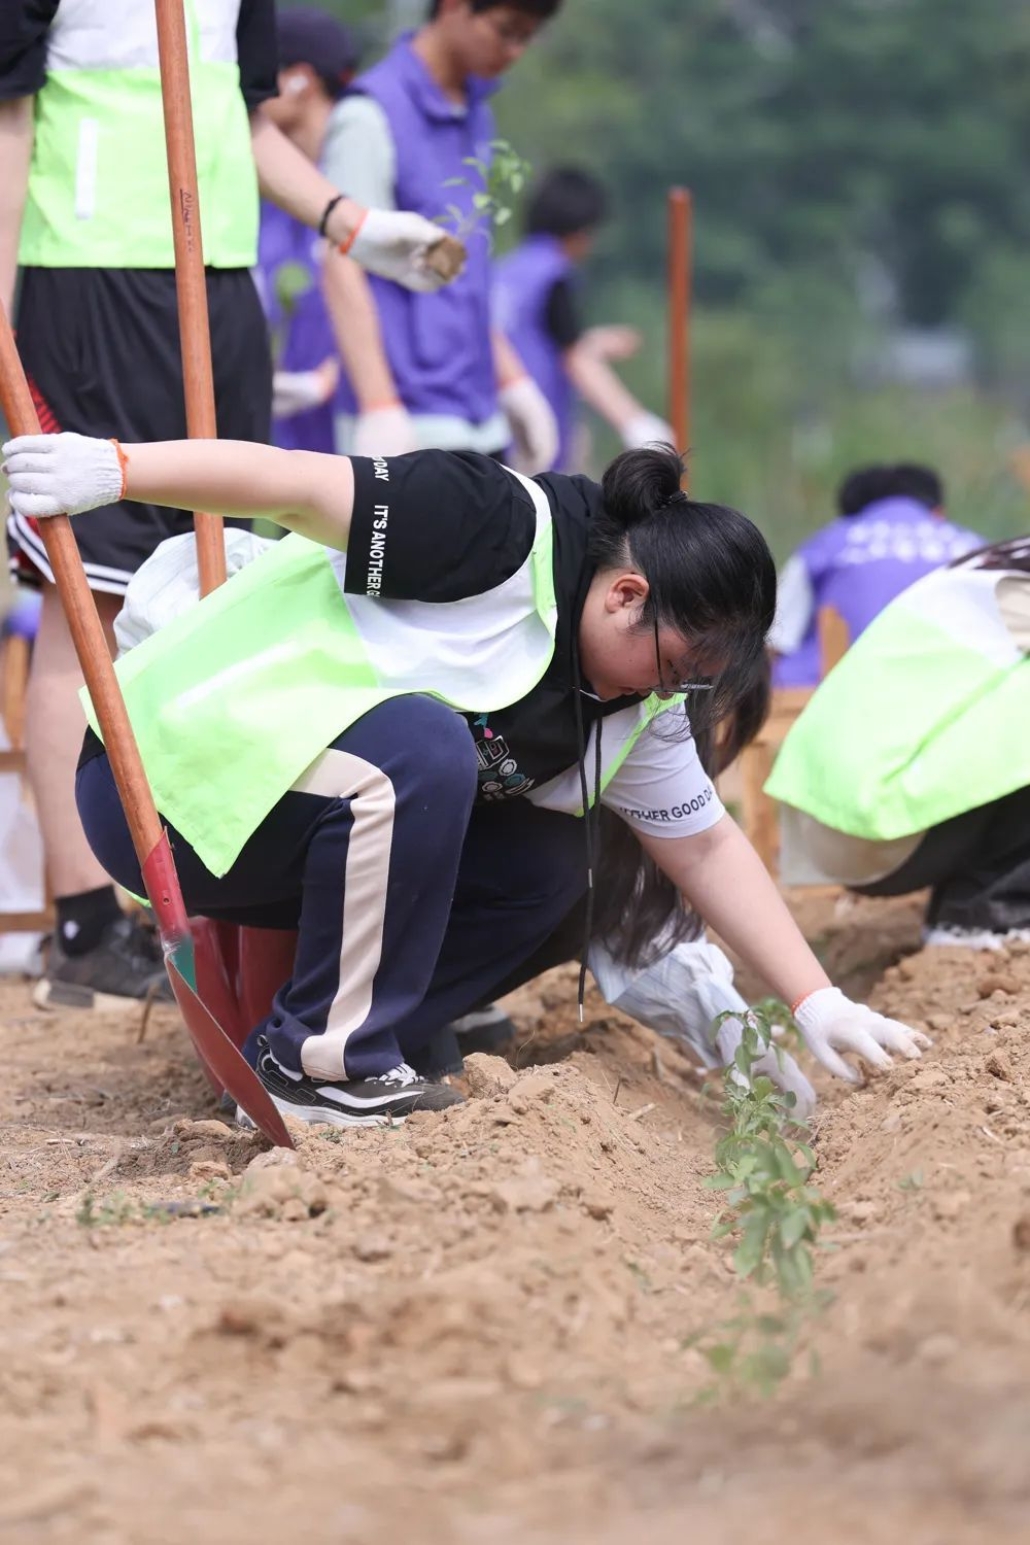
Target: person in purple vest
536,306
891,530
427,371
318,58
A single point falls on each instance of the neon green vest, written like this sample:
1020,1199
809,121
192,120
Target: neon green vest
926,716
98,181
236,697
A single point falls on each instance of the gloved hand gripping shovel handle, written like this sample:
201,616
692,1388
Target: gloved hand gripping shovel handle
214,1048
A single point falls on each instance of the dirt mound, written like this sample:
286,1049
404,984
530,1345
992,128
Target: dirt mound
481,1325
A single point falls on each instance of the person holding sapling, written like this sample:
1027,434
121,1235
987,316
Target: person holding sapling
416,131
396,729
536,306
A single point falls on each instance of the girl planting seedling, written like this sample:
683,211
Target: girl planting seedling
385,732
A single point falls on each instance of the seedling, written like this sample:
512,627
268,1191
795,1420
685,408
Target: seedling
764,1170
498,180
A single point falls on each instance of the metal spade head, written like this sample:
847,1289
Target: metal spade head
222,1061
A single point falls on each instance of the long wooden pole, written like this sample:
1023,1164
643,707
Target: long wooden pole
680,245
190,279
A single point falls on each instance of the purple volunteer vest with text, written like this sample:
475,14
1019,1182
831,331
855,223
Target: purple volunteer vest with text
298,319
861,562
523,282
438,346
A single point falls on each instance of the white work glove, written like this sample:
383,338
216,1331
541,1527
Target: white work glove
647,429
830,1024
61,474
395,244
295,391
681,995
534,427
384,432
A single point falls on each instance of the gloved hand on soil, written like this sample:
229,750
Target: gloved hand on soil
396,244
62,474
830,1024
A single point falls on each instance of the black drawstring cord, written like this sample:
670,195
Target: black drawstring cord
591,820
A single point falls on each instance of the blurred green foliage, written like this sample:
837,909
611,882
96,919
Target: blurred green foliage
857,167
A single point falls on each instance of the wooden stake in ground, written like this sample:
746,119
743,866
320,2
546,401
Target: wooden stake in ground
190,280
680,225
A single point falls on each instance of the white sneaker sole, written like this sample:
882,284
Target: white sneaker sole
56,996
318,1116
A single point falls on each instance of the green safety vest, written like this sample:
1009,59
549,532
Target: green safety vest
98,180
236,697
925,717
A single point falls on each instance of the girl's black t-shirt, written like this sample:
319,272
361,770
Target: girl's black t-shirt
441,526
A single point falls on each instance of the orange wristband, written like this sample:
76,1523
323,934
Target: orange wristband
345,246
381,406
123,462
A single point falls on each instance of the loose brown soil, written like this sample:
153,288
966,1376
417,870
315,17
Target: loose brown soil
478,1327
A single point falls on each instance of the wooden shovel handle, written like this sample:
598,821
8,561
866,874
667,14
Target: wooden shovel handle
190,278
681,215
83,621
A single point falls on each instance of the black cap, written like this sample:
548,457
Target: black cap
308,36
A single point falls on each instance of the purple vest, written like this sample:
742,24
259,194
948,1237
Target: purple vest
861,562
438,346
523,282
298,319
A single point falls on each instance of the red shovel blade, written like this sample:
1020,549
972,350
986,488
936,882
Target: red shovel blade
220,1056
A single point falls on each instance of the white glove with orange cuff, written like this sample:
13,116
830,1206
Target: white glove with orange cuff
395,244
647,429
534,427
385,431
830,1024
63,474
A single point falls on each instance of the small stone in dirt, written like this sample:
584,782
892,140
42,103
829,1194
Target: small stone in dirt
205,1132
859,1212
273,1158
892,1122
503,1115
267,1191
599,1204
445,1447
940,1022
1021,1232
948,1205
528,1193
533,1087
209,1169
406,1188
930,1078
998,1067
488,1076
997,982
373,1247
937,1350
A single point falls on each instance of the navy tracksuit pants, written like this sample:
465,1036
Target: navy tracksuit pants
413,904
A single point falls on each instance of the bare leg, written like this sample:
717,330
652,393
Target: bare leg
53,738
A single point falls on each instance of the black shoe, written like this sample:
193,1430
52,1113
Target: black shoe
125,969
355,1102
487,1029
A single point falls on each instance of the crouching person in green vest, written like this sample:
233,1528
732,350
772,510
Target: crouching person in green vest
395,730
910,767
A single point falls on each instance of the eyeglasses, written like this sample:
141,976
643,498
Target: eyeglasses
680,686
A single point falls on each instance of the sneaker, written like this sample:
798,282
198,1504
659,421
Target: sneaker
354,1102
485,1030
951,934
125,969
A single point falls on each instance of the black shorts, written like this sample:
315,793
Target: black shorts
101,350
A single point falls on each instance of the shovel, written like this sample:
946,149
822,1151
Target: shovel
680,222
220,1058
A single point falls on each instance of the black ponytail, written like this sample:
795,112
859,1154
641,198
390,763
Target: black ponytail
712,579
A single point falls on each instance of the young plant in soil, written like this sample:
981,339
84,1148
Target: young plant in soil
763,1170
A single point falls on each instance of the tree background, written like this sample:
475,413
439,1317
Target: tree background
862,214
